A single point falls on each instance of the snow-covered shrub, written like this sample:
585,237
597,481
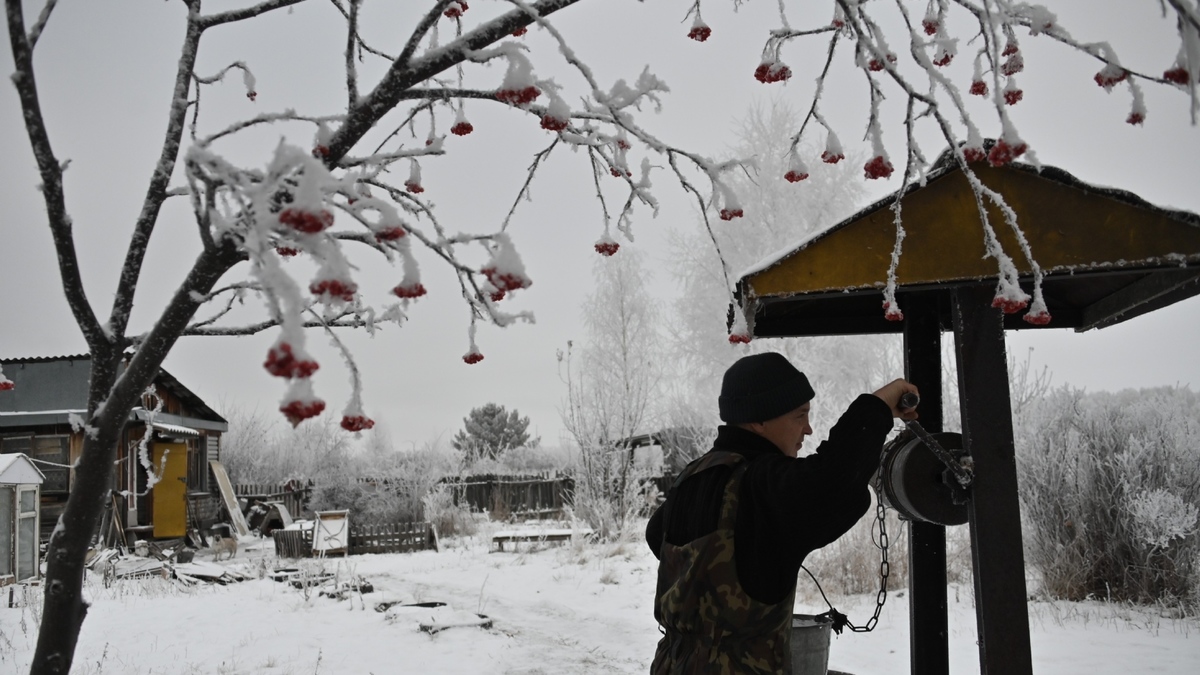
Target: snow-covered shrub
258,449
449,518
383,488
1110,484
523,460
610,490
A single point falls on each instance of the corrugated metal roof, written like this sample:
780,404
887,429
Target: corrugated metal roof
54,383
175,430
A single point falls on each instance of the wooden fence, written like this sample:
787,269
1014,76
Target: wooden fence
529,496
294,495
388,538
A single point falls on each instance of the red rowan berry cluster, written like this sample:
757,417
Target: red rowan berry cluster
456,9
607,248
1012,94
552,123
390,234
334,289
357,422
1002,152
772,71
1037,317
876,65
409,291
1110,75
306,221
730,214
878,167
793,177
287,251
892,312
7,385
472,357
521,96
1009,305
505,281
831,157
298,411
461,128
739,338
978,88
281,362
974,154
699,32
1178,75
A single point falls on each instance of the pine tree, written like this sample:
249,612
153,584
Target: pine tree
490,431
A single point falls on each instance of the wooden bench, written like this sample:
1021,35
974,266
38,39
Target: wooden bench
533,535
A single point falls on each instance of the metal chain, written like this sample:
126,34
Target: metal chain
884,567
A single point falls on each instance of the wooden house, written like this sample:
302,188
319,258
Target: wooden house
174,432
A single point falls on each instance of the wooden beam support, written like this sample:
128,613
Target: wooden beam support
995,514
929,651
1138,298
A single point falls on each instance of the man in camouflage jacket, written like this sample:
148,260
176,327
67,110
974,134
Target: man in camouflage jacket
739,521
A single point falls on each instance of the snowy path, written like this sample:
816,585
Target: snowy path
581,609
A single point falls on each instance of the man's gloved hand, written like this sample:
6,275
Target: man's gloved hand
890,394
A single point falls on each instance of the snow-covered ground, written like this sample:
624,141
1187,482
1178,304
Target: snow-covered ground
582,608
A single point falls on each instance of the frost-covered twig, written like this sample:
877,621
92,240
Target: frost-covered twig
244,13
51,173
40,24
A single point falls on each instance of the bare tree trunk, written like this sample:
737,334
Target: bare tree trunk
111,398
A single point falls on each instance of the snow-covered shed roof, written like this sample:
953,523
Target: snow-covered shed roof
17,469
49,389
1107,255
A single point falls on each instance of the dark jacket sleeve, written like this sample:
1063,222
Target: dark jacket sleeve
795,506
654,531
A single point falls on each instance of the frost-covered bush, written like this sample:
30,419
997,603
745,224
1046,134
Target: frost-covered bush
448,517
259,450
1110,488
383,488
524,460
611,492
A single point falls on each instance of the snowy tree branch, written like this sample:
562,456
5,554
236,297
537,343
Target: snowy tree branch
40,25
351,43
407,71
51,172
241,14
156,193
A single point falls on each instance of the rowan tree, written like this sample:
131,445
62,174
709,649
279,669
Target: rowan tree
350,185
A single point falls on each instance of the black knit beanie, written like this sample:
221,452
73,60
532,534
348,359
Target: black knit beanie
761,387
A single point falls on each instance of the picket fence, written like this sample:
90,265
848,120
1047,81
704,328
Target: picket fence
294,494
386,538
530,496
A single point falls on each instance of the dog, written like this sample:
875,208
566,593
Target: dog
224,545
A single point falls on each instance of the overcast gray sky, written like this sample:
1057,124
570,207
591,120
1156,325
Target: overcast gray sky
105,70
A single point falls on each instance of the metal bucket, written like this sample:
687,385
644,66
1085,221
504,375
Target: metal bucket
810,644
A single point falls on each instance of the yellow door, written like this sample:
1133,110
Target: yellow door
170,492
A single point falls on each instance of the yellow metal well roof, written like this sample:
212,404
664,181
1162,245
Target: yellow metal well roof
1107,255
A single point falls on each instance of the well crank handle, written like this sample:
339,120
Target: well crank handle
961,473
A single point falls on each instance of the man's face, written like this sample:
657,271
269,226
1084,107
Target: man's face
788,430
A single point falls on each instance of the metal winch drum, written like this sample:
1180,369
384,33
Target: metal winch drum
918,485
